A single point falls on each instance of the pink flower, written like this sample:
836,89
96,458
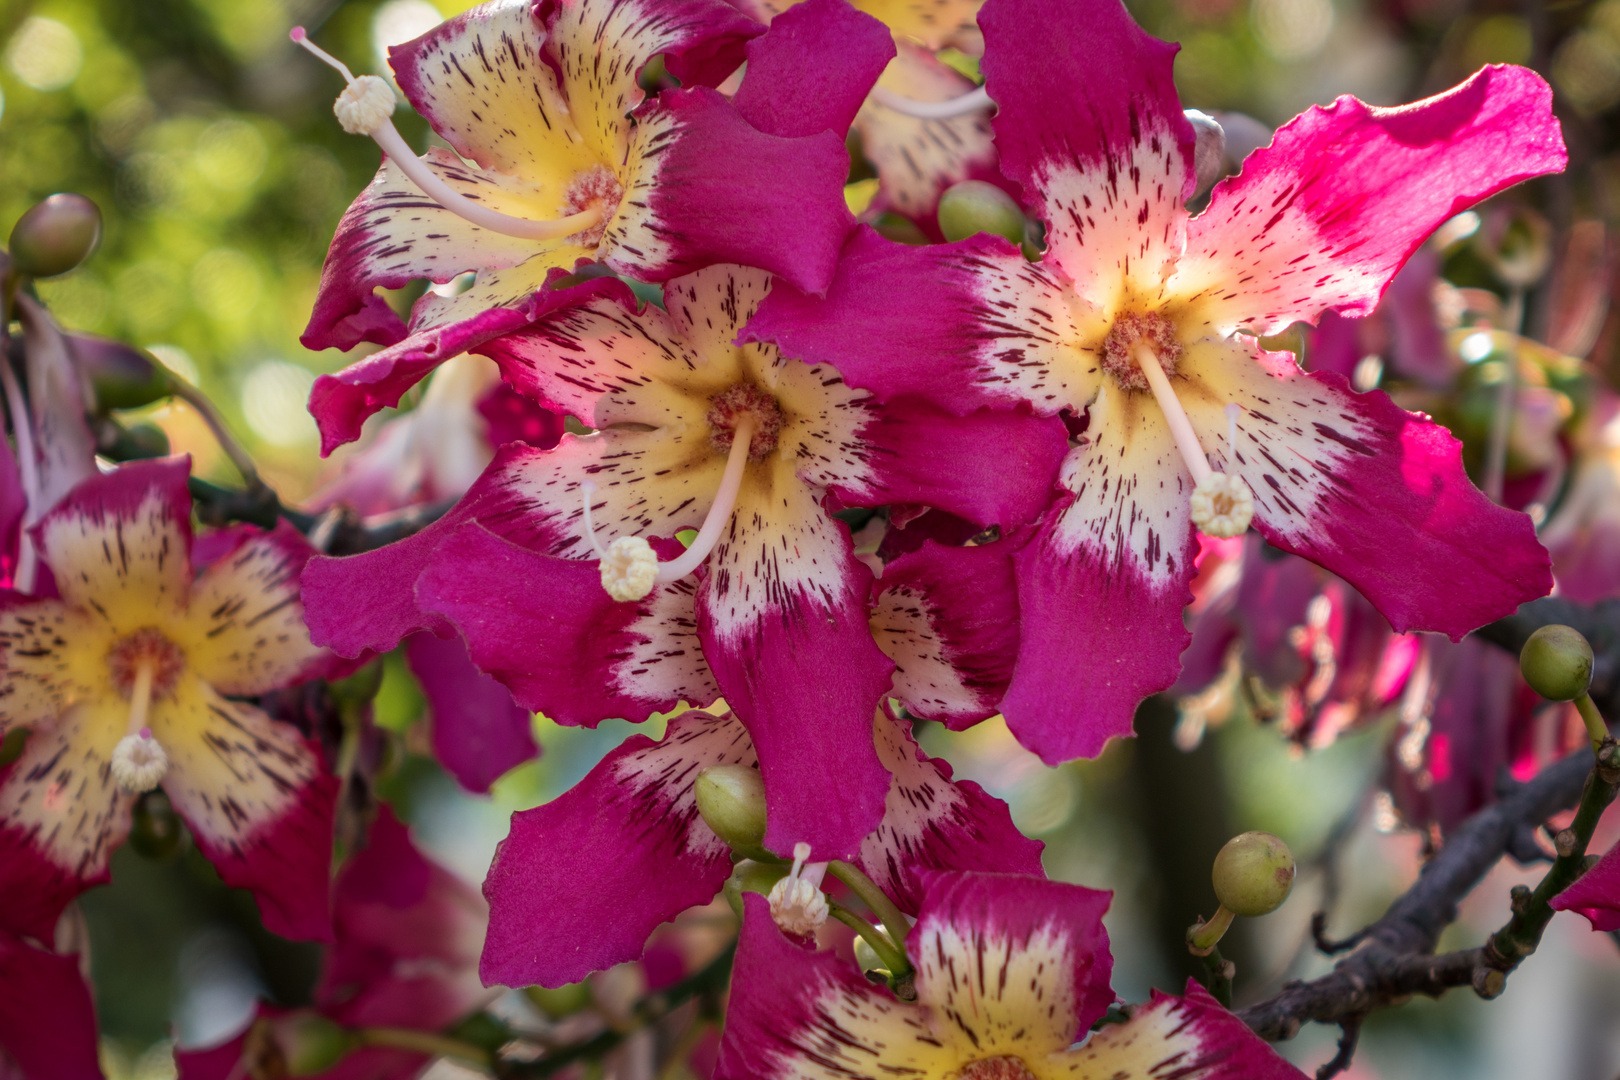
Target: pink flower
133,678
1011,971
628,840
1146,321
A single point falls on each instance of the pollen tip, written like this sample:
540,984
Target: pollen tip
1222,506
797,906
297,33
139,762
629,568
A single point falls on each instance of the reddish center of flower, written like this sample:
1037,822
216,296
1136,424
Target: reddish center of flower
146,647
596,186
730,406
1119,346
995,1068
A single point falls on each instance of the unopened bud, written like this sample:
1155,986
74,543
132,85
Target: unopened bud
1209,155
1557,663
976,206
867,957
731,799
122,377
307,1043
1254,873
155,830
55,235
560,1001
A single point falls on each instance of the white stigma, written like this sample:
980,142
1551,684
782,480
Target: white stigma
970,102
362,109
1221,505
798,905
139,762
630,568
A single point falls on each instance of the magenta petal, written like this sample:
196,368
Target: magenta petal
13,507
368,601
812,70
1097,638
581,881
341,403
777,987
934,823
1596,893
948,618
1077,84
287,863
806,679
1408,527
726,192
1353,190
992,467
47,1022
1222,1047
547,629
1007,912
898,320
479,732
35,887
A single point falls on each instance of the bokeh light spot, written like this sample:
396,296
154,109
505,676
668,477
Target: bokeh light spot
274,395
44,53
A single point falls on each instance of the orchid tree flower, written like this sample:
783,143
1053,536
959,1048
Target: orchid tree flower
749,449
558,159
1144,322
581,882
131,678
1595,894
404,962
47,1021
925,125
1011,972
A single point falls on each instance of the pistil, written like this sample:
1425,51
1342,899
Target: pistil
630,567
139,761
365,108
970,102
798,905
1221,505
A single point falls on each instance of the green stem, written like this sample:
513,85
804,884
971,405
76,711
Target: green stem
1595,727
1508,947
222,434
1202,938
892,958
1217,976
873,897
423,1042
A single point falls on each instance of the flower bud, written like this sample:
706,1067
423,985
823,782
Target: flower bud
1209,155
976,206
155,830
300,1043
731,799
867,957
560,1001
1254,874
1557,663
122,377
55,235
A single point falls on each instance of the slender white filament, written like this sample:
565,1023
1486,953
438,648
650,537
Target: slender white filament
970,102
1174,415
406,161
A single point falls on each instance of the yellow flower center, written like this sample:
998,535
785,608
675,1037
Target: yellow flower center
1005,1067
734,403
146,648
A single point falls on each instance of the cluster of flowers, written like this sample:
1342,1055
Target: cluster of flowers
1043,447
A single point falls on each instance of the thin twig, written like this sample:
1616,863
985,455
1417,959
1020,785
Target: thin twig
222,434
1349,1035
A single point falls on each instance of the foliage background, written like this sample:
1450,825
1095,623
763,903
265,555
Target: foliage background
208,141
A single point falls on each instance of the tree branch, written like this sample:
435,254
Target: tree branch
1395,958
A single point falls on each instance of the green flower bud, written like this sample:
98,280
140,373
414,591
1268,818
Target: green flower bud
360,687
561,1001
302,1043
123,377
1254,874
976,206
731,799
55,235
155,830
1557,663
